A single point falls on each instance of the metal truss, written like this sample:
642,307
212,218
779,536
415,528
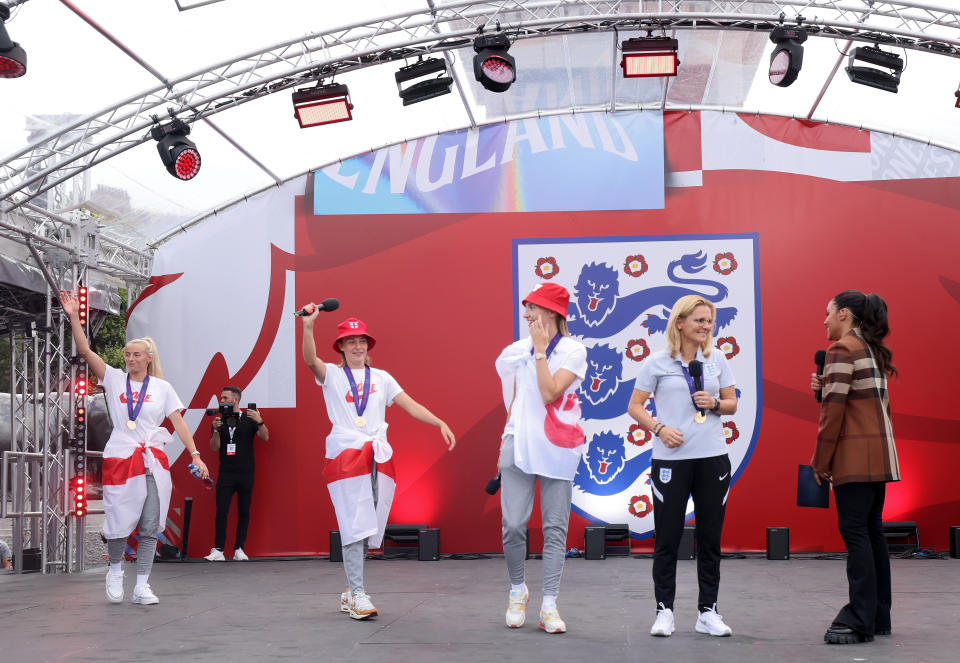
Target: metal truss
435,29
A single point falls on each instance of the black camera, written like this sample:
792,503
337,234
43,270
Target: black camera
225,412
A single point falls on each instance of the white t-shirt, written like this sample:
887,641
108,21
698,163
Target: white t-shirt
160,402
339,398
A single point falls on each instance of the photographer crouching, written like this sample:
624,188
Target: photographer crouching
233,432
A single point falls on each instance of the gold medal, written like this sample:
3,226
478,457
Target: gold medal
700,416
132,425
359,422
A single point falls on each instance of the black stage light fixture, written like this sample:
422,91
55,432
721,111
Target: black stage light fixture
649,56
179,154
13,59
493,67
875,76
787,57
423,90
957,95
323,104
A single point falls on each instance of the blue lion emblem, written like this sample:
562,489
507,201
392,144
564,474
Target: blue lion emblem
603,394
604,469
599,311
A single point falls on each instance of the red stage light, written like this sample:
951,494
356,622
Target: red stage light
81,389
13,59
178,153
324,104
649,56
957,94
79,496
493,67
186,162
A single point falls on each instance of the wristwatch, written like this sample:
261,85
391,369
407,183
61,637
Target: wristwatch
716,407
539,355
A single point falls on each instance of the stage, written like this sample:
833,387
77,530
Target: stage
452,610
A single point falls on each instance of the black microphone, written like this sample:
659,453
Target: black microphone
493,485
330,304
819,358
696,372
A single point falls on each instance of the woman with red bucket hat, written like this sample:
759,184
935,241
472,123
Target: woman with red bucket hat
542,441
359,470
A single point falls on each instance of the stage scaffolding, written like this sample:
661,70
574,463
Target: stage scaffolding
46,251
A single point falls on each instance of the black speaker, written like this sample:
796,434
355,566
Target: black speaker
336,547
778,543
595,542
428,545
955,542
688,543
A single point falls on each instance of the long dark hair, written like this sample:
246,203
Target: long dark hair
870,313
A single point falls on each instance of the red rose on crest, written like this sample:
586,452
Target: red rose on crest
638,436
728,346
730,432
724,263
637,350
635,265
547,267
640,505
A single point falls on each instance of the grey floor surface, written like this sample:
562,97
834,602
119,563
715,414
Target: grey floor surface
452,610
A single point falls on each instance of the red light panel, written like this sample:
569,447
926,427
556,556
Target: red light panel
187,164
498,69
323,112
642,65
10,68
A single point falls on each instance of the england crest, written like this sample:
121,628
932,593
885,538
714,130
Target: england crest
621,293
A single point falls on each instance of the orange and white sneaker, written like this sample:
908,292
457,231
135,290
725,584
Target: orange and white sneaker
550,620
361,607
345,601
517,607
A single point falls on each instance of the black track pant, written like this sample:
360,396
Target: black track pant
860,518
674,481
227,485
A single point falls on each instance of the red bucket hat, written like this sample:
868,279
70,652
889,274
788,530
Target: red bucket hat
550,296
353,327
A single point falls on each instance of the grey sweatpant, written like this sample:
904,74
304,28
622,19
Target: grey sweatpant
354,553
149,522
516,504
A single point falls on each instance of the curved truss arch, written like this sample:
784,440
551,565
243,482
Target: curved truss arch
228,84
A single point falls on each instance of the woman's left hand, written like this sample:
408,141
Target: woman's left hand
448,436
200,465
704,400
538,334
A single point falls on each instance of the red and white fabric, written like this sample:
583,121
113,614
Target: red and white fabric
351,451
129,452
547,438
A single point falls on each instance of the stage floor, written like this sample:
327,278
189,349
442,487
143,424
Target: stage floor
452,610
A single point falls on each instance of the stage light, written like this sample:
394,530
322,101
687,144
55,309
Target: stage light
957,95
649,56
428,89
82,301
323,104
179,154
872,76
787,57
493,67
79,496
13,59
81,387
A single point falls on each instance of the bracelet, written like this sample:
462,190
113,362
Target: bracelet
194,453
656,431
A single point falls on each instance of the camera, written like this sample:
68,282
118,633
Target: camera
225,412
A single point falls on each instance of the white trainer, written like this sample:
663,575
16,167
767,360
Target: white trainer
550,620
663,626
143,595
345,601
239,555
712,623
361,607
215,556
517,607
114,587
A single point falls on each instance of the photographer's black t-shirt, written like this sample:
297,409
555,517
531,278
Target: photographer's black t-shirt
244,432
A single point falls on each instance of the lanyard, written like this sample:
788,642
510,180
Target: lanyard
134,412
359,402
552,345
692,387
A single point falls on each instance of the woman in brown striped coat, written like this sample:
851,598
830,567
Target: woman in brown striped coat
856,452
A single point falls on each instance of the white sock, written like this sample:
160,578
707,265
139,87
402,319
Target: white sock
116,569
142,579
548,602
522,587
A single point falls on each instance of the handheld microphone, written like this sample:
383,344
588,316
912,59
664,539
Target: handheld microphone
330,304
696,372
819,358
493,485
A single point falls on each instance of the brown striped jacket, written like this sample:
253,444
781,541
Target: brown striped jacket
855,439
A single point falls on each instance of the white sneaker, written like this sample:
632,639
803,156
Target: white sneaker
143,595
239,555
345,601
550,620
215,556
664,625
517,607
361,607
114,587
710,622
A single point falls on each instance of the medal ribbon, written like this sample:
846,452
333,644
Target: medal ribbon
359,402
134,412
690,385
552,345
